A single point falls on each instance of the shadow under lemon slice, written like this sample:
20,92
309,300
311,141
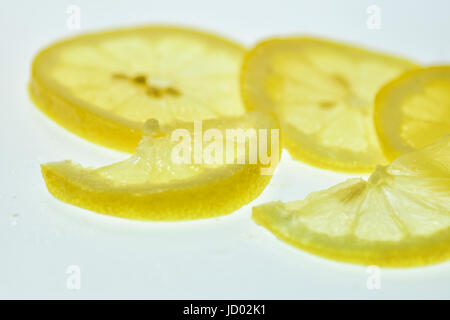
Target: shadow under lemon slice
104,86
399,217
177,174
322,93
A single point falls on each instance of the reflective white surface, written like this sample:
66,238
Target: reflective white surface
228,257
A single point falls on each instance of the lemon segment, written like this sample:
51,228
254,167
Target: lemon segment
104,86
399,217
322,93
159,182
413,110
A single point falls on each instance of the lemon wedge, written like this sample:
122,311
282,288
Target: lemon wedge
399,217
413,110
175,175
322,93
104,86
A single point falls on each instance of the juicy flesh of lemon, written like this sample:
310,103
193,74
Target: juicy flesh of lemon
403,204
323,94
164,73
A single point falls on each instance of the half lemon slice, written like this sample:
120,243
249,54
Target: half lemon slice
399,217
322,93
104,86
413,110
194,170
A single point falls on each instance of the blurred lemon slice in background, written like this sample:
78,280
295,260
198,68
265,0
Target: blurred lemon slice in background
322,93
153,185
104,86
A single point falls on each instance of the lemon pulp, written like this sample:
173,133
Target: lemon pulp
104,86
413,110
154,185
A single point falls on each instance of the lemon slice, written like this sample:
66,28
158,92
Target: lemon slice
169,180
104,86
323,94
413,110
399,217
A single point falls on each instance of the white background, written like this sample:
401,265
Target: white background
229,257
